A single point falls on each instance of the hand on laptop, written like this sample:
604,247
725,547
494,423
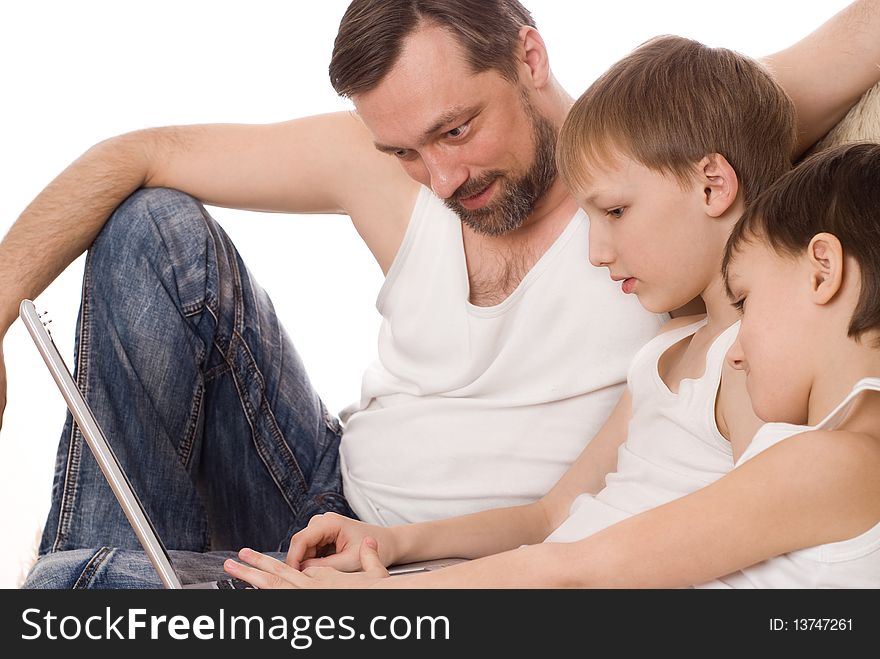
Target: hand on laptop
331,540
266,572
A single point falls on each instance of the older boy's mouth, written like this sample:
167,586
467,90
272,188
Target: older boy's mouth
628,285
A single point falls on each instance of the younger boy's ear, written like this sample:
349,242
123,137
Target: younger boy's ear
720,184
826,267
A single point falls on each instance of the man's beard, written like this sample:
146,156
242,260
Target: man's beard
515,198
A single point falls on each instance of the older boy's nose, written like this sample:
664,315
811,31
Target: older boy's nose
601,252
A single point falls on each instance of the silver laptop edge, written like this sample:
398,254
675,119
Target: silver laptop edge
113,472
99,446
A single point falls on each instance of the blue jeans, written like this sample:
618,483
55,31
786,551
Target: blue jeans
202,397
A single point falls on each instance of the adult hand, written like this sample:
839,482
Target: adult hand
269,573
331,540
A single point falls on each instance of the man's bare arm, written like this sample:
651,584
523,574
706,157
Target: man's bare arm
323,164
316,164
826,72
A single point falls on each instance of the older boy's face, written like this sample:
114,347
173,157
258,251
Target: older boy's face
773,346
472,138
651,233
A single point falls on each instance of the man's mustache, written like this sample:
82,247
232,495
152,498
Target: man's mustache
473,186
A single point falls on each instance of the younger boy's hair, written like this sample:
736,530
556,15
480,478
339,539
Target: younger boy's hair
835,191
673,101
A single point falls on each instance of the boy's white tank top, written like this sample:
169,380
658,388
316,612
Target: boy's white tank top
468,407
673,445
853,563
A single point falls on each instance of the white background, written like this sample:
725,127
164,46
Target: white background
74,73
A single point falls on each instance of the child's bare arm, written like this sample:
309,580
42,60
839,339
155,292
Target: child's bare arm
811,489
493,531
469,536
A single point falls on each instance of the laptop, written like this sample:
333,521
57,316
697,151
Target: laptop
115,475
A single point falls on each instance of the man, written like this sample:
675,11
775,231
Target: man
501,351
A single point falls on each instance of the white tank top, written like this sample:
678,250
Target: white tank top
853,563
673,445
468,407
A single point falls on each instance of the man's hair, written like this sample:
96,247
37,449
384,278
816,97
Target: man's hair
372,33
835,191
672,102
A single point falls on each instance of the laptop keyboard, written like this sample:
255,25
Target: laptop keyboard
234,584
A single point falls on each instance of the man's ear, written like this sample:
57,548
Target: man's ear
533,53
720,184
825,254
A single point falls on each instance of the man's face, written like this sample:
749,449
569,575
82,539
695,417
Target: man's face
474,139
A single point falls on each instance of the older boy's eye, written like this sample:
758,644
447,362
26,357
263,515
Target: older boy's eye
740,304
616,213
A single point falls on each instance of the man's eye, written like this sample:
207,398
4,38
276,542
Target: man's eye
458,131
403,154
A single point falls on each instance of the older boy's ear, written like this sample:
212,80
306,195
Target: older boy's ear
825,254
720,184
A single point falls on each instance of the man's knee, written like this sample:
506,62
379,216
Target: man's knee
146,218
156,232
93,568
63,569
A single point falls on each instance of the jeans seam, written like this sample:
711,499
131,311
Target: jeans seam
192,309
251,414
236,342
74,449
266,409
188,310
88,573
188,441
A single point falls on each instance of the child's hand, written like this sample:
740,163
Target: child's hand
331,540
266,572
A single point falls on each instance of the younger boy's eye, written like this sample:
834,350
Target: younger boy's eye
615,213
740,304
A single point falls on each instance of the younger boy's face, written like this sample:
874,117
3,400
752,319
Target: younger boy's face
773,346
651,233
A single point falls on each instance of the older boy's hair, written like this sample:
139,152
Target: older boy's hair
835,191
673,101
372,33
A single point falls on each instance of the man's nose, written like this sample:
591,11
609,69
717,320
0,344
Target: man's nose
445,173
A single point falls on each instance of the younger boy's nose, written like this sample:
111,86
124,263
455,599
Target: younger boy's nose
736,357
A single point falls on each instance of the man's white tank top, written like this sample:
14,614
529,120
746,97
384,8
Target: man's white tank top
673,445
468,407
853,563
